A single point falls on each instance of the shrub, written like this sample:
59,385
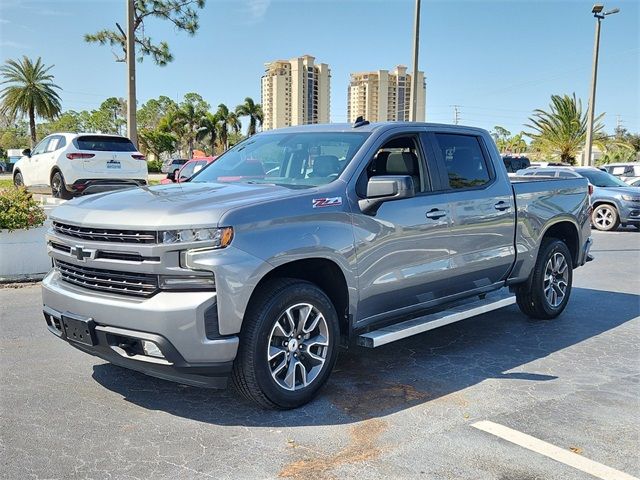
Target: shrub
18,210
154,165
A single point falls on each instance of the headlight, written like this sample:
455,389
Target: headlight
630,198
187,282
219,237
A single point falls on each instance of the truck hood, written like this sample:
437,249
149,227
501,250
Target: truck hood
175,206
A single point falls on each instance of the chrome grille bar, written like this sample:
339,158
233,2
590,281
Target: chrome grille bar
105,235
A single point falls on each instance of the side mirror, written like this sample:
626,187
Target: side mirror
26,152
386,188
171,176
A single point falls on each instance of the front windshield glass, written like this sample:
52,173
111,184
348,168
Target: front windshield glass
599,178
295,160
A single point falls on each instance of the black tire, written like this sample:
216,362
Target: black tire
605,218
531,296
252,370
58,187
18,180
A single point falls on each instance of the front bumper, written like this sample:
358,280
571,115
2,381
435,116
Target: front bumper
630,213
174,321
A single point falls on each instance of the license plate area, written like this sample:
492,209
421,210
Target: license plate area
80,330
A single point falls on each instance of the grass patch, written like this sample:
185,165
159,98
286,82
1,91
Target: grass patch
6,183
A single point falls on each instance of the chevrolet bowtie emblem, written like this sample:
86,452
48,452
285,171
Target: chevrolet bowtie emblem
80,253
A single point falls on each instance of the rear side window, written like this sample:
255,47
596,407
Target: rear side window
103,143
463,159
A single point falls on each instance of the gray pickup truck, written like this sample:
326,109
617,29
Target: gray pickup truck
301,240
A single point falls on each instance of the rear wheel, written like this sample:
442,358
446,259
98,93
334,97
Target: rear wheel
289,345
546,295
605,217
58,187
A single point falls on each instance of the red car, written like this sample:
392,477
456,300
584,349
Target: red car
188,170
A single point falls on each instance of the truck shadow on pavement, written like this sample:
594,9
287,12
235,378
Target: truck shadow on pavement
429,370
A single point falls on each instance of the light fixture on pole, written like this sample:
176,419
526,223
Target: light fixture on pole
598,13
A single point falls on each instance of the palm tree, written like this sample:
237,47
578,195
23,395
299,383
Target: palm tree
209,128
562,131
226,121
252,110
30,91
188,118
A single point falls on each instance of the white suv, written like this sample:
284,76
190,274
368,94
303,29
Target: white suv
75,163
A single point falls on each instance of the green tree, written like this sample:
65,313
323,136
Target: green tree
185,121
110,116
209,129
227,122
561,132
181,13
30,91
69,121
153,111
252,110
157,142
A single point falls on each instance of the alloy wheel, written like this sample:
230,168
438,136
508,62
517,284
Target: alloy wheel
298,346
604,218
556,279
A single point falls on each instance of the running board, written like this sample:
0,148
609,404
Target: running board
425,323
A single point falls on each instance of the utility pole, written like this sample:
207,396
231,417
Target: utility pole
456,114
599,15
132,130
414,78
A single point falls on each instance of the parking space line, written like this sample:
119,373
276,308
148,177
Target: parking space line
555,453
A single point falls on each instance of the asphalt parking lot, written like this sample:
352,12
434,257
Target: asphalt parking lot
414,409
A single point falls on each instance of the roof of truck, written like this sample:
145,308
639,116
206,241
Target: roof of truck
368,127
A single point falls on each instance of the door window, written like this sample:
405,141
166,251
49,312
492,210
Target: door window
54,144
399,156
566,175
464,160
41,147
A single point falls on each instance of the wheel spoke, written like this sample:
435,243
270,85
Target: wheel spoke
292,322
278,331
314,324
275,351
303,373
290,377
303,316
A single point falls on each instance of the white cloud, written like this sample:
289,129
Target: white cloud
255,10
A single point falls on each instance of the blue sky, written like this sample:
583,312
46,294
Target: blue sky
498,60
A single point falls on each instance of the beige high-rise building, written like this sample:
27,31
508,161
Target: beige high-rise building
382,96
295,92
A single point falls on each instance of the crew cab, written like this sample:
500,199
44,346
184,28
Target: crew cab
79,163
366,234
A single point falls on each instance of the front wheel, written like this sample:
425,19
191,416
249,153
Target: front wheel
288,346
547,292
18,181
605,218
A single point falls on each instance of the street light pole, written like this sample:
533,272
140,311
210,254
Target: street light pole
597,13
414,78
132,130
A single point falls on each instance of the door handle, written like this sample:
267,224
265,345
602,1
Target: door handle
502,206
434,214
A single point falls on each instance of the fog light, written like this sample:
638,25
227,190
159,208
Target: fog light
151,349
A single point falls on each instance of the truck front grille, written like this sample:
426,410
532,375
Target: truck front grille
105,235
124,283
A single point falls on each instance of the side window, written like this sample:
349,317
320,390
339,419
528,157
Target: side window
41,147
566,175
399,156
54,144
464,161
187,170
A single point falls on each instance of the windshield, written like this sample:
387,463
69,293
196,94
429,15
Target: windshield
296,160
599,178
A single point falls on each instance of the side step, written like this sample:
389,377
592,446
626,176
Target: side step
425,323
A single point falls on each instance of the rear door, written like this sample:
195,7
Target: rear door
402,249
482,211
112,156
48,158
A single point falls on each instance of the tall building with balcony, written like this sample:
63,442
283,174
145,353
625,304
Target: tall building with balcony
295,92
385,95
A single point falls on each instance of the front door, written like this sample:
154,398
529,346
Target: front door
402,250
482,212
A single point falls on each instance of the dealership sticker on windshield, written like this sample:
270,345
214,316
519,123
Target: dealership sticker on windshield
327,202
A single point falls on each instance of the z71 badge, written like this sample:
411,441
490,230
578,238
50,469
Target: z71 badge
327,202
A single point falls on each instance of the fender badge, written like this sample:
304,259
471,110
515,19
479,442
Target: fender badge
327,202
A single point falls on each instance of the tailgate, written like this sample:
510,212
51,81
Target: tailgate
112,156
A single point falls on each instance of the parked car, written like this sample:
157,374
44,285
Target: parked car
3,167
635,183
614,202
513,163
261,279
627,172
173,164
188,170
81,163
548,164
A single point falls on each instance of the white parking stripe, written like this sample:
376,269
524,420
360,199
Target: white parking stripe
556,453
